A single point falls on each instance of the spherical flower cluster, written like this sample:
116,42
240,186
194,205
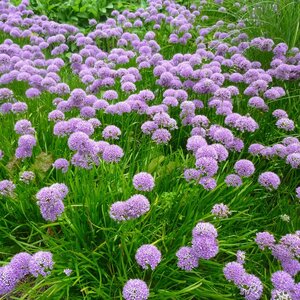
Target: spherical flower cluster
7,188
50,201
249,285
111,132
244,168
133,208
204,245
286,250
269,180
61,164
220,210
143,182
135,289
21,265
148,255
27,176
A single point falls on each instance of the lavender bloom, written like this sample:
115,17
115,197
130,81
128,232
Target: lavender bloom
282,281
7,188
220,210
8,279
148,255
20,264
269,180
161,136
143,182
244,168
61,164
111,132
186,259
285,124
112,153
24,127
298,192
135,289
68,272
233,180
264,240
50,203
41,263
27,176
293,160
133,208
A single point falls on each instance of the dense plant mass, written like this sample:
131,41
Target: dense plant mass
155,155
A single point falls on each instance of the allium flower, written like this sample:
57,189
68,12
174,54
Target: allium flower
240,257
79,141
24,127
112,153
264,240
148,255
27,176
143,182
133,208
244,168
235,272
233,180
111,132
220,210
135,289
61,164
7,188
282,281
286,124
186,259
50,203
20,264
41,263
161,136
205,247
293,160
8,279
68,272
269,180
298,192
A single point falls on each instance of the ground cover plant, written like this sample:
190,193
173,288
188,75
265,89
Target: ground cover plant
154,155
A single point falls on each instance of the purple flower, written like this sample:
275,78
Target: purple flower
186,259
112,153
8,279
235,272
135,289
161,136
264,240
50,203
282,281
269,180
7,188
24,127
27,176
233,180
133,208
111,132
244,168
293,160
20,264
285,124
148,255
61,164
41,263
220,210
143,182
68,272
